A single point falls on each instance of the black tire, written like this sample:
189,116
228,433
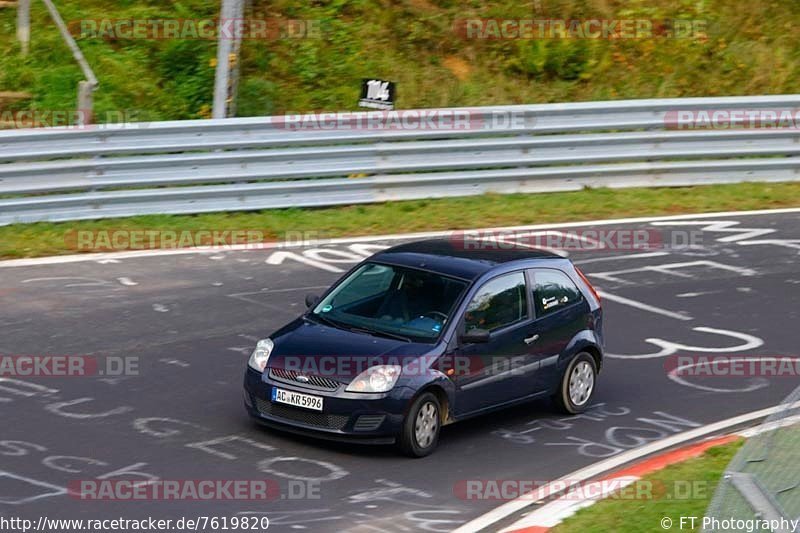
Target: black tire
407,440
562,397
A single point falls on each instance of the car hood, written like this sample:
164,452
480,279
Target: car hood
312,348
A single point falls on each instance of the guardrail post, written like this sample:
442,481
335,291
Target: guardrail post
85,103
85,88
24,25
227,47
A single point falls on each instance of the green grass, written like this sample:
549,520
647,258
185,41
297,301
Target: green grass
623,515
40,239
750,47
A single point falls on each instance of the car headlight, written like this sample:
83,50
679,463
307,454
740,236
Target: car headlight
380,378
260,356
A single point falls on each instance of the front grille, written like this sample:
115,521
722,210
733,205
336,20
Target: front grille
368,422
312,418
316,382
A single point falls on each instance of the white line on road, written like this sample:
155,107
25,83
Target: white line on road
621,257
643,306
671,269
726,226
279,257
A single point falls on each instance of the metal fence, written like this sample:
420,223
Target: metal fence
761,486
269,162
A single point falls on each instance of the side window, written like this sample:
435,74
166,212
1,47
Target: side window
553,290
500,302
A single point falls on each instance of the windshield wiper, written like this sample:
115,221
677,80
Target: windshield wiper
329,322
378,333
356,329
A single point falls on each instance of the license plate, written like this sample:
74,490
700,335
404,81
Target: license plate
297,399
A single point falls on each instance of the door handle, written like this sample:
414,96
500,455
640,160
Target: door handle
531,339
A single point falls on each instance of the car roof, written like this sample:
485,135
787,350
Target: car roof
459,257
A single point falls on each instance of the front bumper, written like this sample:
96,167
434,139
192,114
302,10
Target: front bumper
349,416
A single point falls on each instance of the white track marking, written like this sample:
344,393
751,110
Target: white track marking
669,268
492,517
269,466
128,282
244,350
160,308
727,226
278,258
246,296
54,489
372,238
694,294
291,289
87,282
367,249
57,408
793,243
621,257
669,347
755,384
176,362
332,255
142,425
643,306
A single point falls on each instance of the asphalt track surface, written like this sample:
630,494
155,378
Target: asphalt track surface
192,320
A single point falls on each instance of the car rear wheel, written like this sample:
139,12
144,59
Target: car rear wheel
420,433
577,385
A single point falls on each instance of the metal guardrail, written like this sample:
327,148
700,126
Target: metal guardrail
762,482
258,163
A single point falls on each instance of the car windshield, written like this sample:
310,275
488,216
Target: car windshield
392,301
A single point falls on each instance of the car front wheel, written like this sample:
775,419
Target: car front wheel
420,433
577,384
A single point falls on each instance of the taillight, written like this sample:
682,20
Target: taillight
588,284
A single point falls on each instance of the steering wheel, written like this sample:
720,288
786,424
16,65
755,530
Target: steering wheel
437,313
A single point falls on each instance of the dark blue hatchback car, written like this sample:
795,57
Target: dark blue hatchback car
425,334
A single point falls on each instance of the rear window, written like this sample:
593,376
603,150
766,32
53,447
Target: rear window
553,290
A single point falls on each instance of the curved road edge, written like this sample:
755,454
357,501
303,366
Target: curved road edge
554,488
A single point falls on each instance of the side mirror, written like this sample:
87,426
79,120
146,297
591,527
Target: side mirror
311,300
475,336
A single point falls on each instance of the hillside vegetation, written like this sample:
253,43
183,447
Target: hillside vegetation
749,47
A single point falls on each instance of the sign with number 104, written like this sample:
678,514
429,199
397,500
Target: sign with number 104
377,94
